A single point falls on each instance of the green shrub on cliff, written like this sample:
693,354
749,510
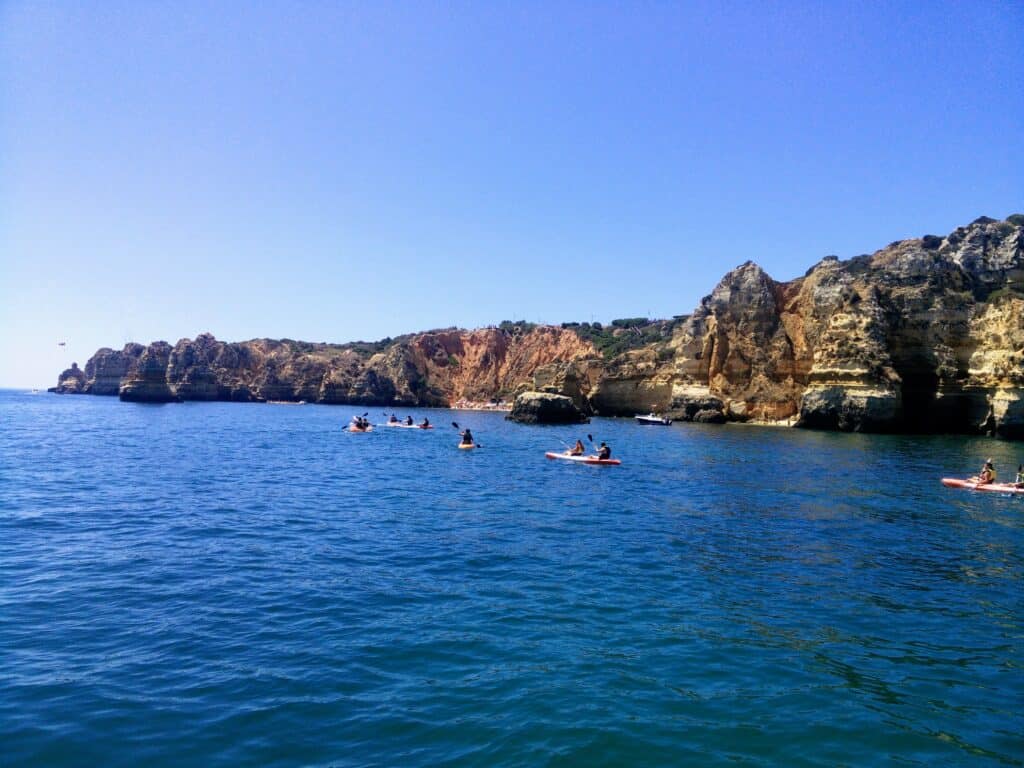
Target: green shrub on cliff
624,334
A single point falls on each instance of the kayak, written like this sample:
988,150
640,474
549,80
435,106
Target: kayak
464,447
408,426
582,459
967,485
357,429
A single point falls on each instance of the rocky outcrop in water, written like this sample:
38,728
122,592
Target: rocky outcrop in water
108,368
72,381
545,408
147,382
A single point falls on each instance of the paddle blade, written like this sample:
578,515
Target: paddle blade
454,424
590,437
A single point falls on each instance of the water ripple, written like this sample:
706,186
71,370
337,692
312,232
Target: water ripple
217,584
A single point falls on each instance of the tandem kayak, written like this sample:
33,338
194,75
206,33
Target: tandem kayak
357,429
967,485
582,459
408,426
466,447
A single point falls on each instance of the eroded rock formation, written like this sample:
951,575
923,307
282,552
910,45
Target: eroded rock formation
427,369
923,335
545,408
72,381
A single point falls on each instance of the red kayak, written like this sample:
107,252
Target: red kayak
582,459
967,485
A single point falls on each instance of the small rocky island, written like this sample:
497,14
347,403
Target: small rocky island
924,335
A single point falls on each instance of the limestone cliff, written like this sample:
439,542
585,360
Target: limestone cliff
923,335
434,368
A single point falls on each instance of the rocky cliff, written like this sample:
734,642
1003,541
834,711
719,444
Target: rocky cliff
434,368
923,335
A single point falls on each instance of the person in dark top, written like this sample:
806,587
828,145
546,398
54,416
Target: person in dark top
467,437
408,420
605,451
393,419
426,422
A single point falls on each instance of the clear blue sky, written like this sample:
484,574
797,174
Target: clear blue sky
334,171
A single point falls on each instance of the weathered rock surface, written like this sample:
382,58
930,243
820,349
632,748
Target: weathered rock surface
108,368
147,380
72,381
545,408
427,369
923,335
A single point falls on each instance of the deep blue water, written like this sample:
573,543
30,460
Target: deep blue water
218,584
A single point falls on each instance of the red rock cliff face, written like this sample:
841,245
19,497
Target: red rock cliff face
434,368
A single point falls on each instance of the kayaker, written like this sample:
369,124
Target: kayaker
408,420
578,449
393,419
604,451
987,474
425,424
467,436
1019,480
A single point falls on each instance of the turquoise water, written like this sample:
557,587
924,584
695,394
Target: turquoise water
222,584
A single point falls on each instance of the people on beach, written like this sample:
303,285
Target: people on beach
578,449
467,436
604,451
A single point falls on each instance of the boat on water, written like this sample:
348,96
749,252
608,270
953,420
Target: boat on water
582,459
970,485
653,419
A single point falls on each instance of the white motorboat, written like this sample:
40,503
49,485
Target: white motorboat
653,418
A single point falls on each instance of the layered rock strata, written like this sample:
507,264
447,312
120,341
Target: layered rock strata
923,335
427,369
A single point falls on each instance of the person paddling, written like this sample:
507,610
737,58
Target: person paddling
604,452
578,449
987,474
408,420
425,424
393,419
467,437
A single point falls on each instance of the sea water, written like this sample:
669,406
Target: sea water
212,584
